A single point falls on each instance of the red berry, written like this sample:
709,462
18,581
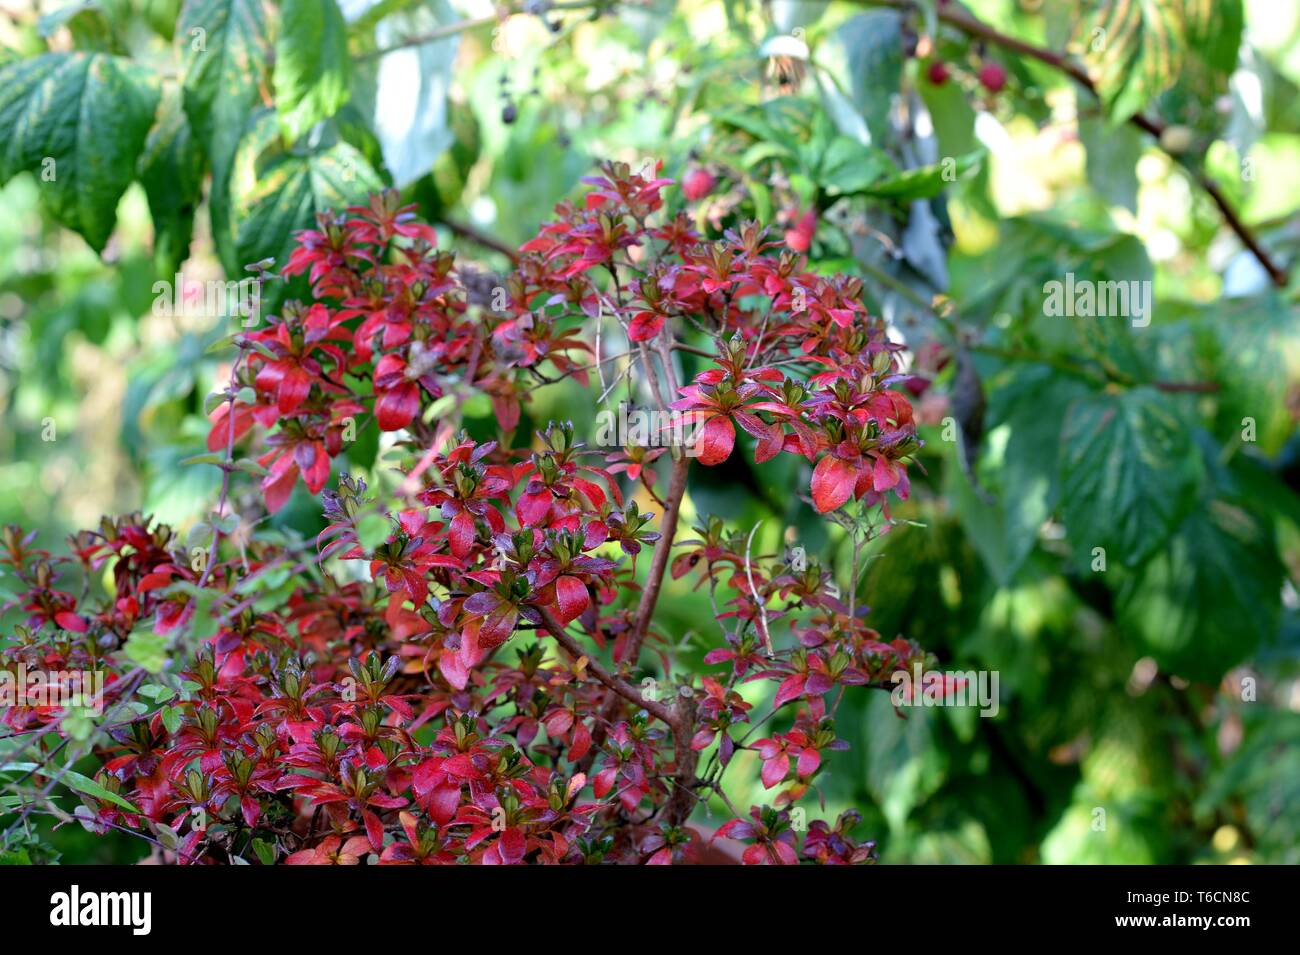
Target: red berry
697,184
993,76
938,73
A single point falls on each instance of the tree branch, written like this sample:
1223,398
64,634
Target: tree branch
659,562
597,669
478,237
970,25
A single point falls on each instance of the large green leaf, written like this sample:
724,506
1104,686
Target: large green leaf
404,93
1112,157
924,182
904,767
1178,51
1133,50
275,192
313,72
1128,473
1212,33
1031,405
1207,602
225,48
872,47
171,169
78,122
1252,347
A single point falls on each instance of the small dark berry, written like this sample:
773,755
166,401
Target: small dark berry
993,77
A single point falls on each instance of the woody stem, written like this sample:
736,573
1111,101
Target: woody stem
597,669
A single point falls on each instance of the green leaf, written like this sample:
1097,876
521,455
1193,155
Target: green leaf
171,170
1128,474
1112,157
924,182
277,193
76,121
205,622
78,724
1212,33
1030,405
373,530
171,717
403,95
156,692
265,851
1133,50
225,50
904,767
146,649
211,457
313,72
86,21
848,167
872,44
1253,349
1206,603
87,786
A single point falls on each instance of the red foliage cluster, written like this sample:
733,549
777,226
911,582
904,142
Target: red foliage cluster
434,693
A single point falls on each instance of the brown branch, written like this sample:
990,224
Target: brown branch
659,562
685,759
460,26
619,686
479,237
970,25
649,597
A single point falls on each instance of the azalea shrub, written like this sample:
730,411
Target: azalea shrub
465,665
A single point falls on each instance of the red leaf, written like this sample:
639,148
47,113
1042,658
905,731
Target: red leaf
774,770
715,440
581,742
453,668
885,476
559,722
644,326
426,776
219,436
375,830
533,508
443,803
791,689
277,488
571,598
497,626
461,533
395,408
604,782
512,846
295,384
832,483
70,621
808,762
